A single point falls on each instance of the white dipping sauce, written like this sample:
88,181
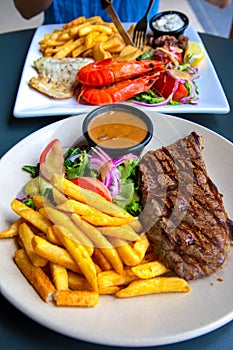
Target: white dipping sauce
168,23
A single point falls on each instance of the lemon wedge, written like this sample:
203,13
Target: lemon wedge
194,53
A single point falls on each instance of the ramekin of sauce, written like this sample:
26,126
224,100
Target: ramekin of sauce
118,129
172,23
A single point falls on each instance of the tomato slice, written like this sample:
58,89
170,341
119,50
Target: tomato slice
164,85
52,160
94,185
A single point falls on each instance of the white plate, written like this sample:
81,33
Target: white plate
140,321
30,103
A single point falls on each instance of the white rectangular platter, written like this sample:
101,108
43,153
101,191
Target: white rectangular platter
30,103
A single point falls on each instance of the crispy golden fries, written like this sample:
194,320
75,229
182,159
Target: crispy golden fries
76,298
149,270
34,217
80,36
80,255
121,231
60,218
77,282
89,197
12,230
71,261
111,278
26,235
54,253
100,242
89,37
35,275
59,276
154,285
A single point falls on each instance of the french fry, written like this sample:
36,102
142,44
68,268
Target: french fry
12,230
98,51
52,238
54,253
74,30
44,213
74,206
59,49
89,197
76,298
88,53
26,235
50,51
124,232
113,27
53,36
97,19
114,43
97,267
59,218
92,215
112,278
131,30
149,270
69,47
115,49
30,215
52,42
141,245
136,225
79,50
95,28
80,255
35,275
153,286
105,220
100,241
129,254
59,276
64,36
77,282
41,201
90,39
102,39
74,22
99,258
58,197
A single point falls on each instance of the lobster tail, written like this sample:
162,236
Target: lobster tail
117,92
107,71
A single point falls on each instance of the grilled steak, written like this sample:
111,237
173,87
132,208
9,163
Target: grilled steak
183,211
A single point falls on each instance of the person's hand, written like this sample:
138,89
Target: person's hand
219,3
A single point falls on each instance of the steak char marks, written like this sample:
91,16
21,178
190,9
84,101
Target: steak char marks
183,212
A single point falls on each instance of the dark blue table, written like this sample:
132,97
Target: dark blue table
18,331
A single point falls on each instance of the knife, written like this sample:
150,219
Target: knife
107,5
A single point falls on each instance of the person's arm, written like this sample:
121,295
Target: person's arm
219,3
31,8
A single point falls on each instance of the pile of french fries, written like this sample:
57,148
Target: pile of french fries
82,246
88,37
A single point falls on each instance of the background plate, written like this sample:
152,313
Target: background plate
140,321
30,103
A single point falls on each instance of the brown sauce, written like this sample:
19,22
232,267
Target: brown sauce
117,129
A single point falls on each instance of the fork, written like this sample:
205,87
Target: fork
139,34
